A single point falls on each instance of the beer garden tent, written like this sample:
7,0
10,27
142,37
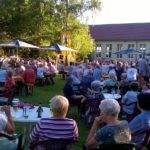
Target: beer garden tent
18,44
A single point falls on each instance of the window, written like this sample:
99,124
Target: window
119,48
131,46
108,50
143,47
98,50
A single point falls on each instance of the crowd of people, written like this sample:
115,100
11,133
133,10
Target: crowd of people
123,120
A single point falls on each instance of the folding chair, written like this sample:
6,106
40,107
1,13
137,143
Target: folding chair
117,146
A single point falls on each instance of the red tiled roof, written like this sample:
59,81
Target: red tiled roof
120,32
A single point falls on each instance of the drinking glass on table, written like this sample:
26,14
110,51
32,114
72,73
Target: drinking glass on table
26,110
15,104
113,92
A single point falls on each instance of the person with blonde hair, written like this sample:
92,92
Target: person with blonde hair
57,126
115,131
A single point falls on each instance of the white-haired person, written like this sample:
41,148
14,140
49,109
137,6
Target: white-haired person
114,130
57,126
95,92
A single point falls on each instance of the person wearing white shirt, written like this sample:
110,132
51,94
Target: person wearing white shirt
132,73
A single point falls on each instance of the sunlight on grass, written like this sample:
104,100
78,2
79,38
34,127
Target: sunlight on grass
42,94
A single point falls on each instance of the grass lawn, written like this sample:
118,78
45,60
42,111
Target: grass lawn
44,94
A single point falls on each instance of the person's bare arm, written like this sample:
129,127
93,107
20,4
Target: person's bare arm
10,127
91,141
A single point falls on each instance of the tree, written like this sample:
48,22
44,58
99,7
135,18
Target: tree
42,21
82,41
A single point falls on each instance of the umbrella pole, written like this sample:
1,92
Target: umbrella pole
17,54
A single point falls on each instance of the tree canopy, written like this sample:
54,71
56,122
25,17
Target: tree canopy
42,21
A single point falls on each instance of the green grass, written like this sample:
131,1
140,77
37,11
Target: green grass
43,94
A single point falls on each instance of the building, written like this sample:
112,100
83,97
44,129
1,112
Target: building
110,38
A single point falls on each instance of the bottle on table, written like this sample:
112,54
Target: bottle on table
39,111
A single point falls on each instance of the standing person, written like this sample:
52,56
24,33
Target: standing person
114,131
52,69
29,77
132,73
57,126
143,68
61,69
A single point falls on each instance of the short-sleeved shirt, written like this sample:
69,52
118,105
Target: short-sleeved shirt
129,102
111,134
3,122
138,127
132,74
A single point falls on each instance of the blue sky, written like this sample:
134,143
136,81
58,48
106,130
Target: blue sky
120,11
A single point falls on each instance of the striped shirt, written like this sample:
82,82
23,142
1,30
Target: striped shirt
55,128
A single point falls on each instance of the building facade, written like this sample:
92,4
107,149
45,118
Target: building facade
116,37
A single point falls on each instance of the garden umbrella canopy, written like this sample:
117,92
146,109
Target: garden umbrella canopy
18,43
128,51
58,48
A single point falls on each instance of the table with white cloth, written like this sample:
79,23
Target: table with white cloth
112,96
32,118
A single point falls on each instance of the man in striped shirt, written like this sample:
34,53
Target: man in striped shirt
57,126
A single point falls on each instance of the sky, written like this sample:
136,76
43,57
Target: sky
120,11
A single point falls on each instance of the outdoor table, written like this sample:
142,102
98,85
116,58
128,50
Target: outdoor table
32,118
112,96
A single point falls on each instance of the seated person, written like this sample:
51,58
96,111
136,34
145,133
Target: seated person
6,122
129,100
94,97
96,91
9,84
74,99
141,122
69,92
110,83
57,126
114,131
